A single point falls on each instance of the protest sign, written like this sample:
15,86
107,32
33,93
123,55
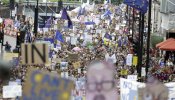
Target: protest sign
9,56
124,72
129,89
41,85
76,64
143,71
12,91
72,57
73,40
132,77
135,61
13,83
63,65
171,88
129,59
37,53
64,74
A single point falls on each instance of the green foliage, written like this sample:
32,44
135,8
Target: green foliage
116,2
155,40
5,2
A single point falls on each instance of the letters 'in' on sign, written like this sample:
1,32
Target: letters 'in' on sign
34,53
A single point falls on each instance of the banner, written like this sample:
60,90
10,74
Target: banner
132,77
12,91
129,89
171,88
41,85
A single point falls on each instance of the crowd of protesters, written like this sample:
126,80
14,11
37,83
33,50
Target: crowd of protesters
107,42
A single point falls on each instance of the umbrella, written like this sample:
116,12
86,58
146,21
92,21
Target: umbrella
170,46
164,42
76,49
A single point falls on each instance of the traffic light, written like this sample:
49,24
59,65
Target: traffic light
18,39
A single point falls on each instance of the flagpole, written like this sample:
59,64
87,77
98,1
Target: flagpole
141,30
148,38
36,20
133,19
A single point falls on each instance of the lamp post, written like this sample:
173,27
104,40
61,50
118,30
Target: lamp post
148,39
36,20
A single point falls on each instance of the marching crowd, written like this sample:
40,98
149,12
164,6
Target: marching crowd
105,38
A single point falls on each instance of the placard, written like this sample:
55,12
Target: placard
37,53
76,64
42,85
73,57
132,77
12,91
129,60
135,60
129,89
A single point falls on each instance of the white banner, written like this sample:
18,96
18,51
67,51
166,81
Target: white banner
129,59
132,77
171,87
129,89
12,91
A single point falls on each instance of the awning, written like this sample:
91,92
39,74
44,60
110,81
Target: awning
170,46
164,42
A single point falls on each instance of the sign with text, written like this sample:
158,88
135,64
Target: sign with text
129,89
129,59
12,91
41,85
132,77
36,53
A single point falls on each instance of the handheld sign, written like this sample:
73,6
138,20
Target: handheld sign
12,91
37,53
76,64
72,57
129,59
41,85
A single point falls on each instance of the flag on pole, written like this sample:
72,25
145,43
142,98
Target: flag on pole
108,36
65,16
107,13
81,12
89,23
141,5
59,36
48,23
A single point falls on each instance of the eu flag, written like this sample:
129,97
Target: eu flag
65,16
141,5
108,36
48,23
59,36
51,40
81,11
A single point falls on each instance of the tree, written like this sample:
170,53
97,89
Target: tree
5,2
116,2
